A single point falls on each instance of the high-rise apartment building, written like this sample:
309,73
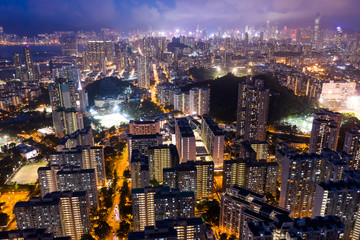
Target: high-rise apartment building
185,229
160,157
328,227
86,157
191,176
144,127
83,137
213,138
252,111
142,143
183,177
30,70
325,131
182,102
199,101
68,101
259,176
158,203
62,213
97,51
352,146
67,178
139,167
240,205
30,234
300,175
185,140
67,121
342,199
143,72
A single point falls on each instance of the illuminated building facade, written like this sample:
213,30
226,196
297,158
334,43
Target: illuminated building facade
143,72
342,199
86,157
30,70
325,131
213,138
199,99
139,167
185,140
252,111
160,157
352,146
259,176
64,178
158,203
144,127
240,205
62,213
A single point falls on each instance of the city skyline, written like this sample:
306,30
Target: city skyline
38,16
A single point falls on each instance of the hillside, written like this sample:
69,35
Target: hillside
224,91
109,86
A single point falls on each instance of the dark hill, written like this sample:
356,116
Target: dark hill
224,92
110,86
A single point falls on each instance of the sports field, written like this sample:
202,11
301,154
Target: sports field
28,173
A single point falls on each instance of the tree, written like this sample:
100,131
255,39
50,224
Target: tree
212,212
154,182
232,237
102,230
4,219
123,229
87,236
127,173
109,152
125,190
223,236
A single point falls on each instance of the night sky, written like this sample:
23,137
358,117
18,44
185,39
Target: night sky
37,16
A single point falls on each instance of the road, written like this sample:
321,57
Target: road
121,163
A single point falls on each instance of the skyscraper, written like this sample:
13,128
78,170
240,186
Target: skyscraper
252,111
18,66
325,131
30,70
143,72
316,28
338,37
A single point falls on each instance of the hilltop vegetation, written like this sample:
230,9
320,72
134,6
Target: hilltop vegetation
110,86
224,92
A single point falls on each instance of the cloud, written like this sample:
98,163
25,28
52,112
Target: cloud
50,15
